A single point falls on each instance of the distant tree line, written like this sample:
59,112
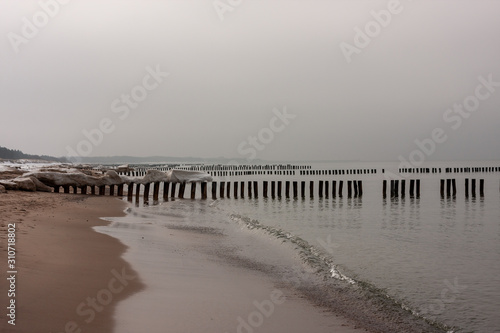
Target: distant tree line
13,154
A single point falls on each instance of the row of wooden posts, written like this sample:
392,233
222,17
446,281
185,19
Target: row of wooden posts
223,189
272,189
303,170
269,189
450,185
450,170
394,188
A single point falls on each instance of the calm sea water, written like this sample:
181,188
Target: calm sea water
438,256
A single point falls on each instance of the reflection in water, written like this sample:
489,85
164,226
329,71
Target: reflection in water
407,245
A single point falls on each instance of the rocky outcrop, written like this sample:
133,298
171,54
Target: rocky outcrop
46,179
41,186
20,183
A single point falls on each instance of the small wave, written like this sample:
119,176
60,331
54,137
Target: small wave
308,253
323,265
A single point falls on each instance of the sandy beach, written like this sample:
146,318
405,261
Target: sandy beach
63,263
71,279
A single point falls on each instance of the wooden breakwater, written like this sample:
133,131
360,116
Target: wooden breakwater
303,170
279,189
448,187
294,182
224,189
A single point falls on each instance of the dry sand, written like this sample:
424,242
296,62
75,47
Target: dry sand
61,262
63,265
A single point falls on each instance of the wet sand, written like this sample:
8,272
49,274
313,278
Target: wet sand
195,284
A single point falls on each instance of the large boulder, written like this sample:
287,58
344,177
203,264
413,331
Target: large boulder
2,189
9,184
40,186
25,184
112,178
154,176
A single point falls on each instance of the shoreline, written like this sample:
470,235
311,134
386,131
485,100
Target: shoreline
69,276
194,285
196,263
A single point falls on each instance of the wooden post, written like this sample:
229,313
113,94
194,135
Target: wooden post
228,190
249,189
392,188
412,187
137,192
172,192
146,191
349,188
303,189
112,190
341,185
255,189
102,190
273,189
279,189
182,190
75,189
454,187
320,189
295,193
193,190
242,190
130,190
403,188
156,190
120,190
204,190
214,190
235,190
442,188
264,188
448,187
83,189
327,188
311,188
66,188
481,187
396,188
418,188
466,187
355,184
384,188
166,187
334,188
360,187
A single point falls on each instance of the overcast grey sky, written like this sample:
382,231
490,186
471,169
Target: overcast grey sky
329,80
